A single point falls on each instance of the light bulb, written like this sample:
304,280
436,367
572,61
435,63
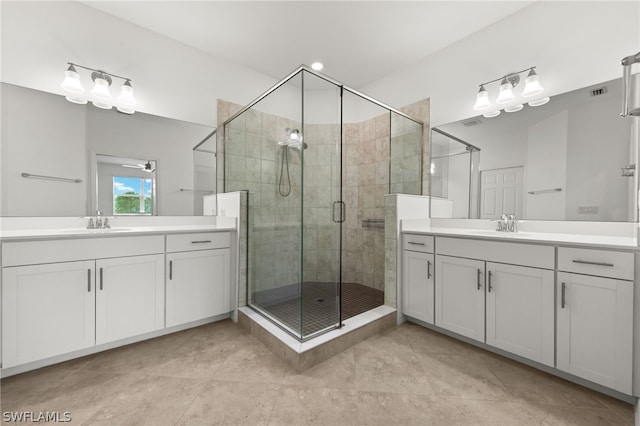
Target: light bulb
506,92
126,94
101,105
514,108
101,88
482,100
532,85
539,102
71,82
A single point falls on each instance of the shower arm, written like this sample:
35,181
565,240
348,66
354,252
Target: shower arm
627,62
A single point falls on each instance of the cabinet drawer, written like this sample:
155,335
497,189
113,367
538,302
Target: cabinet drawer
198,241
533,255
417,242
603,263
52,251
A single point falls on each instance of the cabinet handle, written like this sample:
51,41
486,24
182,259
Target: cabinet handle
479,272
100,278
489,283
414,243
89,280
171,269
201,242
586,262
562,296
428,269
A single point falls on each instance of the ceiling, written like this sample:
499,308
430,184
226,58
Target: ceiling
358,41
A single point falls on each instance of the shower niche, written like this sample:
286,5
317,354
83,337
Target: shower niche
316,159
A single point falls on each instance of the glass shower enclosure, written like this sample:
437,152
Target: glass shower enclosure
299,151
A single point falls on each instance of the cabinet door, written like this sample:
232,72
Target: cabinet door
47,310
417,285
198,285
129,297
595,317
520,305
460,296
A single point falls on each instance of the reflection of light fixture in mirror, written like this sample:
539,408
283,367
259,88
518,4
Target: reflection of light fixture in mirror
491,114
102,96
482,100
539,102
514,108
433,168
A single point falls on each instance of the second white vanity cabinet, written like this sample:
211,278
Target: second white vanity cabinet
595,316
198,276
508,306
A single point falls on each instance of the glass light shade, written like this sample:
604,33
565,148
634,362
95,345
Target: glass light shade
532,85
71,82
506,93
539,102
126,94
76,100
482,100
101,89
126,110
514,108
102,105
491,114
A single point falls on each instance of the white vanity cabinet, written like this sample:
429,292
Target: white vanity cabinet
418,277
60,296
460,297
47,310
129,297
198,276
508,306
595,316
519,311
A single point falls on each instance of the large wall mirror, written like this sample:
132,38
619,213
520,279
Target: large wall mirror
64,159
573,158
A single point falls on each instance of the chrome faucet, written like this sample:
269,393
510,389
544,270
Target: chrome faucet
512,224
99,222
502,224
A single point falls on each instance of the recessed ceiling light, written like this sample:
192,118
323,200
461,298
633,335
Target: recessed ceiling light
317,66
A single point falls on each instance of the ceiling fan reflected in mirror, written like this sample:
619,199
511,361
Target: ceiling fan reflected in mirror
147,167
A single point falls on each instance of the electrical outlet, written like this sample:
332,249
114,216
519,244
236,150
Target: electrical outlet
588,210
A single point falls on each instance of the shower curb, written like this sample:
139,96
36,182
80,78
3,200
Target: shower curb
304,355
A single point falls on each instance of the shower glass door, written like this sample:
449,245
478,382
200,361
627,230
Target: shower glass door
323,211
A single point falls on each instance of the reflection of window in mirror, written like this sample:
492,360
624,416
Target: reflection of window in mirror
132,195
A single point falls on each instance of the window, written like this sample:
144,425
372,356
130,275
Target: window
131,195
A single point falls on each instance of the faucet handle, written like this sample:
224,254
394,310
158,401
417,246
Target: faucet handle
106,224
91,225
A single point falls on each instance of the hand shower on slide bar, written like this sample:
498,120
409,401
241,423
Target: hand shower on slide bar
627,62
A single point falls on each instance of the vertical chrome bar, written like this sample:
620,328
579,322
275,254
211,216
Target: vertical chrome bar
489,283
428,269
100,278
479,272
171,269
562,296
89,280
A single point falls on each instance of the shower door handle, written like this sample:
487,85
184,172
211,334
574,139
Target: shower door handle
341,211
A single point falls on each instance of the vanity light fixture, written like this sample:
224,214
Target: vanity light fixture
506,94
101,93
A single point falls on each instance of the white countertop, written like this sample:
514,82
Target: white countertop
31,234
603,241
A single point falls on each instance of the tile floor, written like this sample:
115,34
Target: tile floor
216,374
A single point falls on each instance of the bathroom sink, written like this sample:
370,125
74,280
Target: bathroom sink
91,231
492,233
